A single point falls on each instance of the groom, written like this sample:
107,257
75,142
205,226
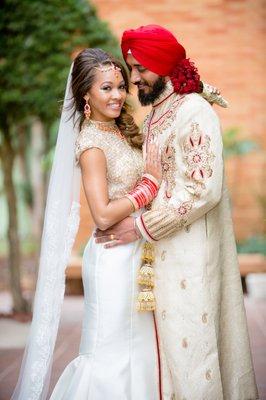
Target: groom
200,316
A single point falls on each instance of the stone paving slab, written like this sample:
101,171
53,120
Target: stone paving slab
69,336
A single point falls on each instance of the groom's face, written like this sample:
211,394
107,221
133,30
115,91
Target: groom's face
150,85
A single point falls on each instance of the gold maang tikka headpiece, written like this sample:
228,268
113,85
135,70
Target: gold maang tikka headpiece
111,67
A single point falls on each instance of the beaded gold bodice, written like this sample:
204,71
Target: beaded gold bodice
124,163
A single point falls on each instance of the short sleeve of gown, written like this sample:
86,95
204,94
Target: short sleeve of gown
88,140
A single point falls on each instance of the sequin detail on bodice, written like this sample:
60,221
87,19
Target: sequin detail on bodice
124,163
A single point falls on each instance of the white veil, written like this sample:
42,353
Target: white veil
60,228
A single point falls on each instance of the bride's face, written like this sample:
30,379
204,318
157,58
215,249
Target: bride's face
107,95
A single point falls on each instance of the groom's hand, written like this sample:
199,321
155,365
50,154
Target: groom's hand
121,233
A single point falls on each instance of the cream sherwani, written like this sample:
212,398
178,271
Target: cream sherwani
200,315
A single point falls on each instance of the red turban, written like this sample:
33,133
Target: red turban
154,47
157,49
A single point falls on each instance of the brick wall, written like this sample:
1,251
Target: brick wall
226,39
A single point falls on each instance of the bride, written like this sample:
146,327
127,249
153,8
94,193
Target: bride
118,349
118,345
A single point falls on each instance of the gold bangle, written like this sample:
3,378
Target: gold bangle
131,201
136,229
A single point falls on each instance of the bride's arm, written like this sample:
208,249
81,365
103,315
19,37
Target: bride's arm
106,213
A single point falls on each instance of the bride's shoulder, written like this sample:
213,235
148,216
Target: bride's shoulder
87,138
89,134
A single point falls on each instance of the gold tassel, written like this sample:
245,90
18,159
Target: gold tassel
148,253
146,275
146,299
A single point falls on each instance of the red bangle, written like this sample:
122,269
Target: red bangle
144,192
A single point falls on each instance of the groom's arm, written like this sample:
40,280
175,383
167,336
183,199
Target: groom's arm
123,232
198,185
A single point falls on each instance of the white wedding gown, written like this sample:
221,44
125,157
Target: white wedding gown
118,357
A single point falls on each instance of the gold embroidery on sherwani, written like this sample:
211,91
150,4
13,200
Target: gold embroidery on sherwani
152,130
169,165
166,120
185,207
198,160
145,126
198,157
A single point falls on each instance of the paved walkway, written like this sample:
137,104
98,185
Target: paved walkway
13,337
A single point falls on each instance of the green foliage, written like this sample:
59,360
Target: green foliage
233,145
3,247
254,244
47,158
24,190
29,247
37,39
37,42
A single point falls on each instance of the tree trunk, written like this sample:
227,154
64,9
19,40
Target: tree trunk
46,150
7,155
37,179
21,156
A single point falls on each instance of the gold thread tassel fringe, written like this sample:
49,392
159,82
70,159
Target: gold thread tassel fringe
146,275
146,299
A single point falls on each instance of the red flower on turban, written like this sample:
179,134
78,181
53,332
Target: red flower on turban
158,50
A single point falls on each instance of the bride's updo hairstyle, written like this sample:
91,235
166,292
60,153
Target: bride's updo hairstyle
83,74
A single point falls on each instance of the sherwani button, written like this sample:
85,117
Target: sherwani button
163,255
183,284
187,228
163,314
208,375
204,318
184,343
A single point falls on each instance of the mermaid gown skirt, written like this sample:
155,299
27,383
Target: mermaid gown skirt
118,350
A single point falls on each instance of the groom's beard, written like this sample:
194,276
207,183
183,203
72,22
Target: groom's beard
155,91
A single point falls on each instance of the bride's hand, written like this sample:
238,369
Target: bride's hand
153,164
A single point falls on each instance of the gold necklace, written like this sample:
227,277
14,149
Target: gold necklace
109,127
